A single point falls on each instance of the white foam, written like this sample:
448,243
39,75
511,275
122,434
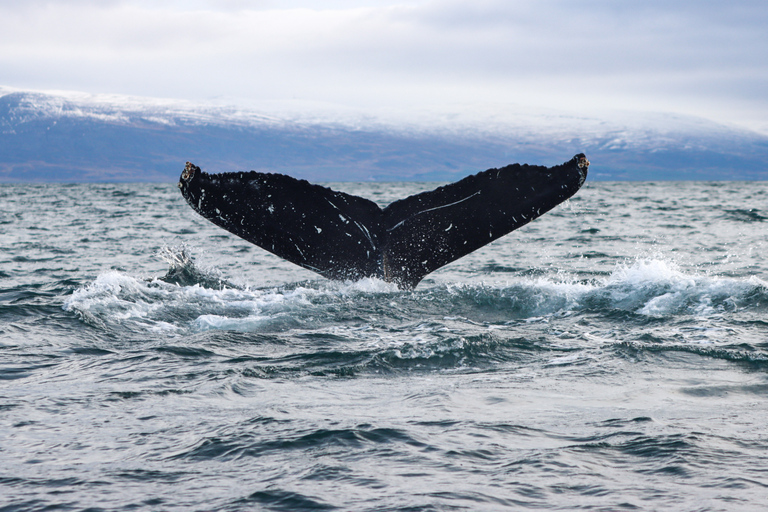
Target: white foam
115,298
118,299
651,287
648,287
367,285
219,322
658,288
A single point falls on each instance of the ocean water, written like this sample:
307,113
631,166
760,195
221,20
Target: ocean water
611,355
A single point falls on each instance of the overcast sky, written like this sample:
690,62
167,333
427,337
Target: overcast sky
707,58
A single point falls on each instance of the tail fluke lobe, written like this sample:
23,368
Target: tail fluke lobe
331,233
429,230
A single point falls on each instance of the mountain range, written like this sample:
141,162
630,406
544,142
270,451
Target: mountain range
72,137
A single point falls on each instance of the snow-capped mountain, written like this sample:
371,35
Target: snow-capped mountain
81,137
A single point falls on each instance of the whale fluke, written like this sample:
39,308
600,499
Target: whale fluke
341,236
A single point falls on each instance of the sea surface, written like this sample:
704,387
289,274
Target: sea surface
611,355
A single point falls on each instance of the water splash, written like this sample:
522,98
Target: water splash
184,272
189,300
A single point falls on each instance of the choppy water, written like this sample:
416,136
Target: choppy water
612,355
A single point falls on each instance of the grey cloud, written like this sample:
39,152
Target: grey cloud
652,52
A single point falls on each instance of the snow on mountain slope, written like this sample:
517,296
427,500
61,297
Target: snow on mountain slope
66,136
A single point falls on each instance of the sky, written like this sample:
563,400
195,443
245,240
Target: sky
698,57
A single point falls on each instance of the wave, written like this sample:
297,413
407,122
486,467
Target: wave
341,328
188,299
183,271
745,215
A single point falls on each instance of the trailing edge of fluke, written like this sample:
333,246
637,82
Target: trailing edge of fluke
341,236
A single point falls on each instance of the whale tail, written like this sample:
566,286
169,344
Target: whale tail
341,236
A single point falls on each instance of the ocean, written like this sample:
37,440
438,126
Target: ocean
611,355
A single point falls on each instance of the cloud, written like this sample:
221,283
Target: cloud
698,57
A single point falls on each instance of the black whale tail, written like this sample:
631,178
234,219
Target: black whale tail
342,236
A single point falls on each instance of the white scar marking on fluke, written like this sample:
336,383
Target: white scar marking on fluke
432,209
367,234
